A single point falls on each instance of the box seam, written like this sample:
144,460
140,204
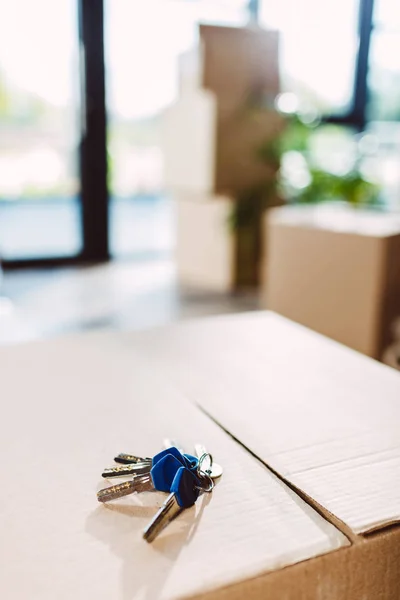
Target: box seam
349,534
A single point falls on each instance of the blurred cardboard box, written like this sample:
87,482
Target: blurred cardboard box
189,144
238,63
211,139
233,63
337,271
211,254
205,246
212,133
204,155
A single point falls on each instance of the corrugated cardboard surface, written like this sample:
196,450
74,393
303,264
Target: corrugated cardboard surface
324,417
68,406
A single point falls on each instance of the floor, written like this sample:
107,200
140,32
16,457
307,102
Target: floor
118,295
129,293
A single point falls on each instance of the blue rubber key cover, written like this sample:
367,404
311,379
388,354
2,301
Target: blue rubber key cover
191,461
187,460
184,486
164,471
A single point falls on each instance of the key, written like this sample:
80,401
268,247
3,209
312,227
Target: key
184,493
159,478
140,483
140,468
168,443
206,463
127,459
128,469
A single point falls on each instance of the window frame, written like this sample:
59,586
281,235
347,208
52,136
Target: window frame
92,152
356,115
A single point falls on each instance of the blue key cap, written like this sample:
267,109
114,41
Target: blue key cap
160,477
186,488
164,471
187,460
141,468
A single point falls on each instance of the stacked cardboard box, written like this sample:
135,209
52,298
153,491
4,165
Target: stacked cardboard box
211,136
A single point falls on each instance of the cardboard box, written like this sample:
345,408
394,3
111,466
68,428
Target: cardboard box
211,135
205,248
263,395
232,63
210,139
208,156
189,143
210,254
337,271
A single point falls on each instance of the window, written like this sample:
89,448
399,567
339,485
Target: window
53,193
318,49
39,129
340,55
143,41
384,63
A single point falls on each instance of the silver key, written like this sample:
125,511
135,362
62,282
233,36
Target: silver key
160,477
167,443
140,483
127,459
206,463
168,511
127,469
185,491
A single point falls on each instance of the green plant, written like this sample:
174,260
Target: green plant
351,188
298,175
250,205
318,184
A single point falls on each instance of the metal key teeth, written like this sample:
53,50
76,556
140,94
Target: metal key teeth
128,469
116,491
114,471
127,459
137,484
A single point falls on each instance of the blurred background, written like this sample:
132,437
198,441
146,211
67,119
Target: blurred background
163,159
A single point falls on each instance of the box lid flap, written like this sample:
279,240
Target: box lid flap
321,415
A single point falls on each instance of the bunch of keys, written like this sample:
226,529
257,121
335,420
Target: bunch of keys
182,475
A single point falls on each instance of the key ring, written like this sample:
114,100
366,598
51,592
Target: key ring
202,458
203,475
